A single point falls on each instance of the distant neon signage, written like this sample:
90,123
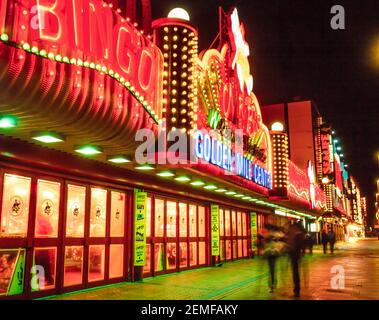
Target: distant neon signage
213,151
87,31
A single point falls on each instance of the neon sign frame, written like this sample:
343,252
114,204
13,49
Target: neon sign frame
104,41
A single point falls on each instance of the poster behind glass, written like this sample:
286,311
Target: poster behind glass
15,206
98,213
117,214
47,209
76,207
12,271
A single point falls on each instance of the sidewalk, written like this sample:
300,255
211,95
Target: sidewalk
248,279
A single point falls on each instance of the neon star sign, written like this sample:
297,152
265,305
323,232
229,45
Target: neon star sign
241,53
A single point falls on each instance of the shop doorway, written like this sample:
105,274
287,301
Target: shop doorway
59,235
176,236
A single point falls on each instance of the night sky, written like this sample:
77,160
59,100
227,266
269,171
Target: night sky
295,53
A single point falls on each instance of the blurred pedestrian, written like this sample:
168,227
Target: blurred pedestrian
324,239
295,245
309,241
274,246
331,239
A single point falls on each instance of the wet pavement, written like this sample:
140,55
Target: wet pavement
351,273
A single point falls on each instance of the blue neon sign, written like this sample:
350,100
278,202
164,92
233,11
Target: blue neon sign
221,155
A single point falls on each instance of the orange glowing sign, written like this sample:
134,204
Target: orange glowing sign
241,52
226,100
88,31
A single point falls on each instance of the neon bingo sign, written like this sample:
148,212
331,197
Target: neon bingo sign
87,32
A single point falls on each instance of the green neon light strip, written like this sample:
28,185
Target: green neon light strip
84,64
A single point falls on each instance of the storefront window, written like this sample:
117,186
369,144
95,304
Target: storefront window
244,226
239,223
76,206
98,213
15,207
221,215
228,249
116,261
117,214
96,263
235,249
171,256
158,257
240,251
222,250
12,271
146,268
202,253
193,254
148,217
183,255
245,249
227,222
201,222
234,224
183,219
73,266
47,209
192,220
44,271
171,219
159,218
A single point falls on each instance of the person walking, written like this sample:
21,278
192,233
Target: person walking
324,239
295,243
273,247
331,239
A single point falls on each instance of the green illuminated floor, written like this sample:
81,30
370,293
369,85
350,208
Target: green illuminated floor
248,279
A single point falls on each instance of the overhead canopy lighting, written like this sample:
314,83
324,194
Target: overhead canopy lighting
7,122
179,13
239,195
165,174
88,150
145,167
230,193
210,187
197,183
221,190
48,137
119,159
182,179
